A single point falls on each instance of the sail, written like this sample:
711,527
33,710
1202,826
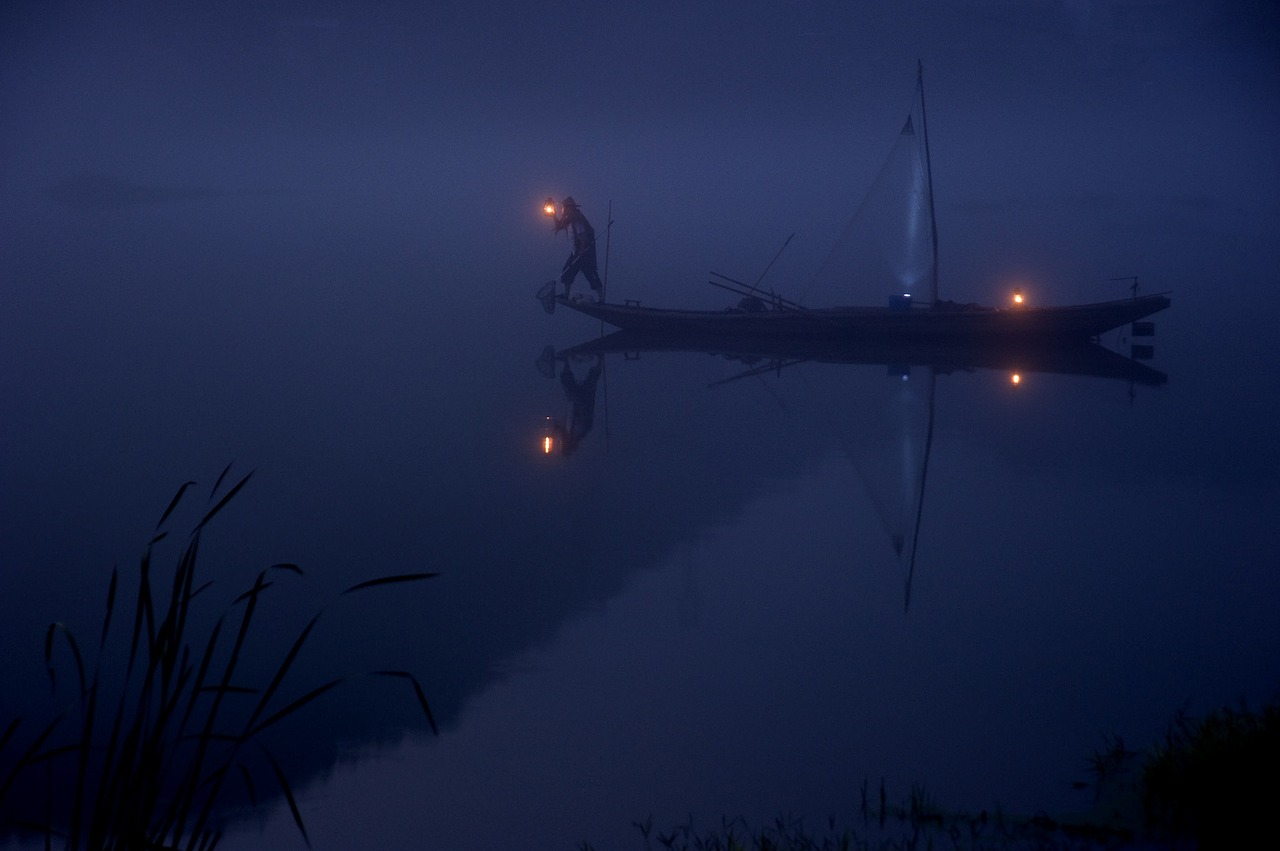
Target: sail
888,434
889,246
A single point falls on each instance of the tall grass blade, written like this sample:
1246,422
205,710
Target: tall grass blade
42,828
233,659
417,688
142,614
31,755
225,499
248,786
288,796
111,605
7,781
281,671
253,592
54,629
206,660
292,707
180,600
48,659
218,483
85,747
209,840
230,690
176,816
107,794
173,503
388,580
160,746
8,732
214,783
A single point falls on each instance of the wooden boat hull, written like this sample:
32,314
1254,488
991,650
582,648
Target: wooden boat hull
938,324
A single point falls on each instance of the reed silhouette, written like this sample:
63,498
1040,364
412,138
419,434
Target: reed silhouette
158,722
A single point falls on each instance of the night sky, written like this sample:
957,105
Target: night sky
304,238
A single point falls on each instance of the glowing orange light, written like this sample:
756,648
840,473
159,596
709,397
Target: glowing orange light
1015,379
548,437
1017,296
549,207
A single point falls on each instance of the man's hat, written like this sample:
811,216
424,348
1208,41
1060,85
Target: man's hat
569,202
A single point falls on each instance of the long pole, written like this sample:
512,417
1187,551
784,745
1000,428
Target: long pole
604,361
747,289
774,260
928,170
608,235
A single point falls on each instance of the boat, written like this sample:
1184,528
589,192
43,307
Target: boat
941,322
891,243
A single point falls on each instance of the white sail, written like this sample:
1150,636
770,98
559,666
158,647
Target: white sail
889,246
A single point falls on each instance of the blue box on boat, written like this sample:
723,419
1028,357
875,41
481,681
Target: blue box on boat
900,302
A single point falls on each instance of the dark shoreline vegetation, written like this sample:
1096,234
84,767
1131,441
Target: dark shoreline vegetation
1208,783
160,724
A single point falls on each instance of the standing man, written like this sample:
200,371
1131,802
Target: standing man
583,258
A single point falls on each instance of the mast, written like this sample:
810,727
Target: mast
933,294
928,170
924,475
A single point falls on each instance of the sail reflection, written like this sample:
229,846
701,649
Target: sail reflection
891,443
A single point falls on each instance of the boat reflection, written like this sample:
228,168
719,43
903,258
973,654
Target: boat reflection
763,354
894,438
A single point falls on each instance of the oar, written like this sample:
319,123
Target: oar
747,289
774,260
775,366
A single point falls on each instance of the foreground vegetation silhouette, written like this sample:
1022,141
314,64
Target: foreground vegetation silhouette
917,823
1209,783
159,722
1216,778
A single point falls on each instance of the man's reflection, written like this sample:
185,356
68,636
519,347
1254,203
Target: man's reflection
581,395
